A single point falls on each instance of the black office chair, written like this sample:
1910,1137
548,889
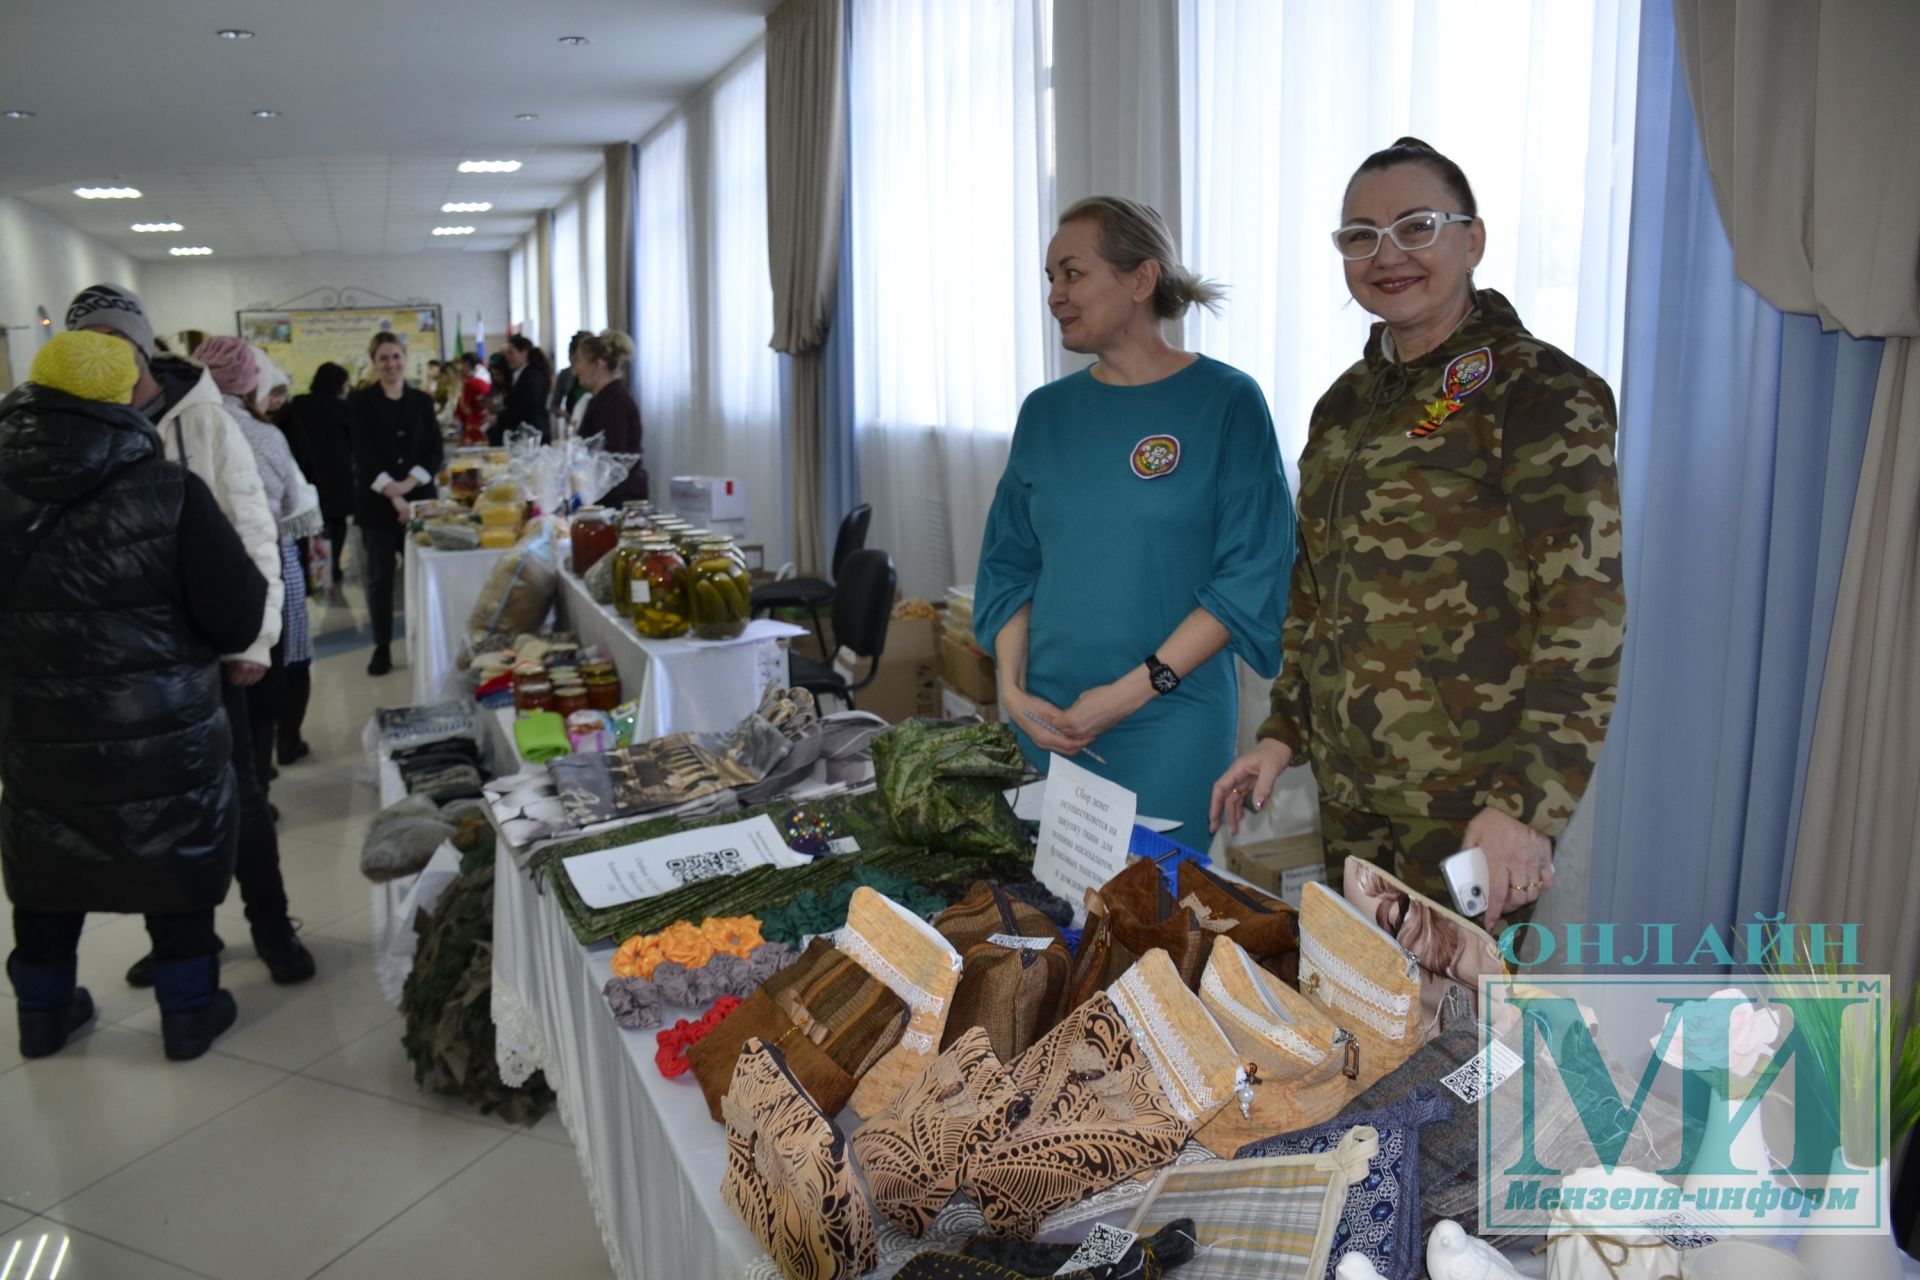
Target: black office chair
812,594
862,608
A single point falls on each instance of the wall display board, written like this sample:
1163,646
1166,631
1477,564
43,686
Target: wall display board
300,341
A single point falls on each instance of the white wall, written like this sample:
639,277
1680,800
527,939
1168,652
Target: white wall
43,263
204,293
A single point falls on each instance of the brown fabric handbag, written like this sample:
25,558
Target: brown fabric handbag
1452,950
1146,916
918,965
1014,968
916,1152
1266,928
829,1017
1365,980
788,1177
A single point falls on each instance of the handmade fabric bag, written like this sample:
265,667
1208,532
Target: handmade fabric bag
1380,1219
1365,980
916,963
1452,950
1014,968
1266,928
915,1153
788,1177
1299,1066
1273,1219
1146,916
829,1017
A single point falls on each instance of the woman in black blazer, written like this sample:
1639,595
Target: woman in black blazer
526,403
396,453
611,413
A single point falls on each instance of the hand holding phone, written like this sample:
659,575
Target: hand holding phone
1467,878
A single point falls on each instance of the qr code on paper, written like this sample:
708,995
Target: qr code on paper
1683,1230
704,866
1484,1072
1103,1246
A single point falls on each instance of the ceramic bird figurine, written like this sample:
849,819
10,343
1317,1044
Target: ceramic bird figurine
1452,1254
1357,1266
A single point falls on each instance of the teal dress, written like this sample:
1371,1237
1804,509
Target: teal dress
1121,510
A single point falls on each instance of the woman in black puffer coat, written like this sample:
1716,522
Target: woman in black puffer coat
120,585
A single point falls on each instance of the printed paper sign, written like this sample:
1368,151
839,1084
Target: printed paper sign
610,877
1086,824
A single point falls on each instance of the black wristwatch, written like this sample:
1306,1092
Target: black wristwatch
1160,675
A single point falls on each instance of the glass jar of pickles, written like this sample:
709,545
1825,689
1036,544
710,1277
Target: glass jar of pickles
660,608
636,514
626,555
719,591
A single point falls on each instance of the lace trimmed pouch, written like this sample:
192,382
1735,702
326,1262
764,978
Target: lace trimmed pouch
917,964
1452,950
1365,980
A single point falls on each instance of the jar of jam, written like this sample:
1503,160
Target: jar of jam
719,591
534,695
594,535
569,698
603,691
659,592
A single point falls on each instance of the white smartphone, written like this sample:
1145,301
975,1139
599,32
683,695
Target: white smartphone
1466,874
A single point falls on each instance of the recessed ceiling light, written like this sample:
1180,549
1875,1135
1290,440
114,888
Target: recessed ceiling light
453,231
17,114
157,226
523,117
468,206
266,114
107,193
234,33
190,251
489,166
575,40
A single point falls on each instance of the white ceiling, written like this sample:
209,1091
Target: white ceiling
380,100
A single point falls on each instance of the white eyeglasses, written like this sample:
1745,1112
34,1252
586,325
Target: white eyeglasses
1358,240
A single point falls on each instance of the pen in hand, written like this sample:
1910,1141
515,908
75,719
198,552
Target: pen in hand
1085,751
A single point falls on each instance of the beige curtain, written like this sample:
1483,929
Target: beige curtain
542,303
1810,118
620,229
806,155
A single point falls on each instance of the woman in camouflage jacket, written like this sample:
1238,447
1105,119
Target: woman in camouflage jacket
1453,635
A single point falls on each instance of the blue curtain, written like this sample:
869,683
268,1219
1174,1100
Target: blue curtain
1741,436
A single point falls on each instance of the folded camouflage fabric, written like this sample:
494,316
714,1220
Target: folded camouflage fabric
944,786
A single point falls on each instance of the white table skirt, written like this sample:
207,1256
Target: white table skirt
442,587
698,686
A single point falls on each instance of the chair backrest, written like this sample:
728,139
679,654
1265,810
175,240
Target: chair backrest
863,603
852,536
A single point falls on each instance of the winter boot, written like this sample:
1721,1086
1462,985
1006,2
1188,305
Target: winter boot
140,972
52,1008
193,1008
288,960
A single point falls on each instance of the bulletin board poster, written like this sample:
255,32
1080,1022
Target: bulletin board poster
301,341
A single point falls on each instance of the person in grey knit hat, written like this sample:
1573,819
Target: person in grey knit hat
108,306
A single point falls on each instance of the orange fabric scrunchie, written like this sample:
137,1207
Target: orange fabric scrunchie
676,1040
688,945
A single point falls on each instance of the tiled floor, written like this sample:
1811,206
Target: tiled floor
300,1146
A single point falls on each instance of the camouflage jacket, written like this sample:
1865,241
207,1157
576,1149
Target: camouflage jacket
1454,630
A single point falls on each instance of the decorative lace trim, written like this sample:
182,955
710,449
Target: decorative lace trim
917,1042
1281,1037
1346,987
519,1050
915,997
1146,1017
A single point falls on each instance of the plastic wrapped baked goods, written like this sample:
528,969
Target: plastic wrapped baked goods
452,535
518,592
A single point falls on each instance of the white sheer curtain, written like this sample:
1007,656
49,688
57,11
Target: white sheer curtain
664,357
950,207
567,292
529,319
593,258
516,287
1533,98
743,438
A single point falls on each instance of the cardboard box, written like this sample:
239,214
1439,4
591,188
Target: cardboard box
908,682
955,705
1280,867
967,671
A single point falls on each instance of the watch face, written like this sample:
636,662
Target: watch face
1164,681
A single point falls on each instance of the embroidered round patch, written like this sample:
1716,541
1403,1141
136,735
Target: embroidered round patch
1467,372
1156,456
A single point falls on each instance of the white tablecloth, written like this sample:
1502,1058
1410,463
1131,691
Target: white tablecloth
697,686
441,589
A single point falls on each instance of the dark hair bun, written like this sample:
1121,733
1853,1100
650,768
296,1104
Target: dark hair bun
1410,144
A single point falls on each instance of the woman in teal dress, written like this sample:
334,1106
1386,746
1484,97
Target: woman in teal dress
1141,534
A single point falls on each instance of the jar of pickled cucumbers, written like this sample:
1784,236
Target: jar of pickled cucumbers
719,592
625,557
659,592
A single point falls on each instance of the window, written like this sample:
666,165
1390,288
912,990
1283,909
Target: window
517,288
567,291
664,300
593,234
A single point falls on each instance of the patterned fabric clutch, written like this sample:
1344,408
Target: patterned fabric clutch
1008,985
829,1017
1273,1219
1092,1112
1362,977
1264,927
1381,1216
916,963
787,1173
915,1153
1296,1060
1452,950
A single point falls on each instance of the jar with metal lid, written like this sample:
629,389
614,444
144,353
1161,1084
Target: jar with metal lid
625,556
660,610
595,533
569,698
534,695
603,690
719,593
